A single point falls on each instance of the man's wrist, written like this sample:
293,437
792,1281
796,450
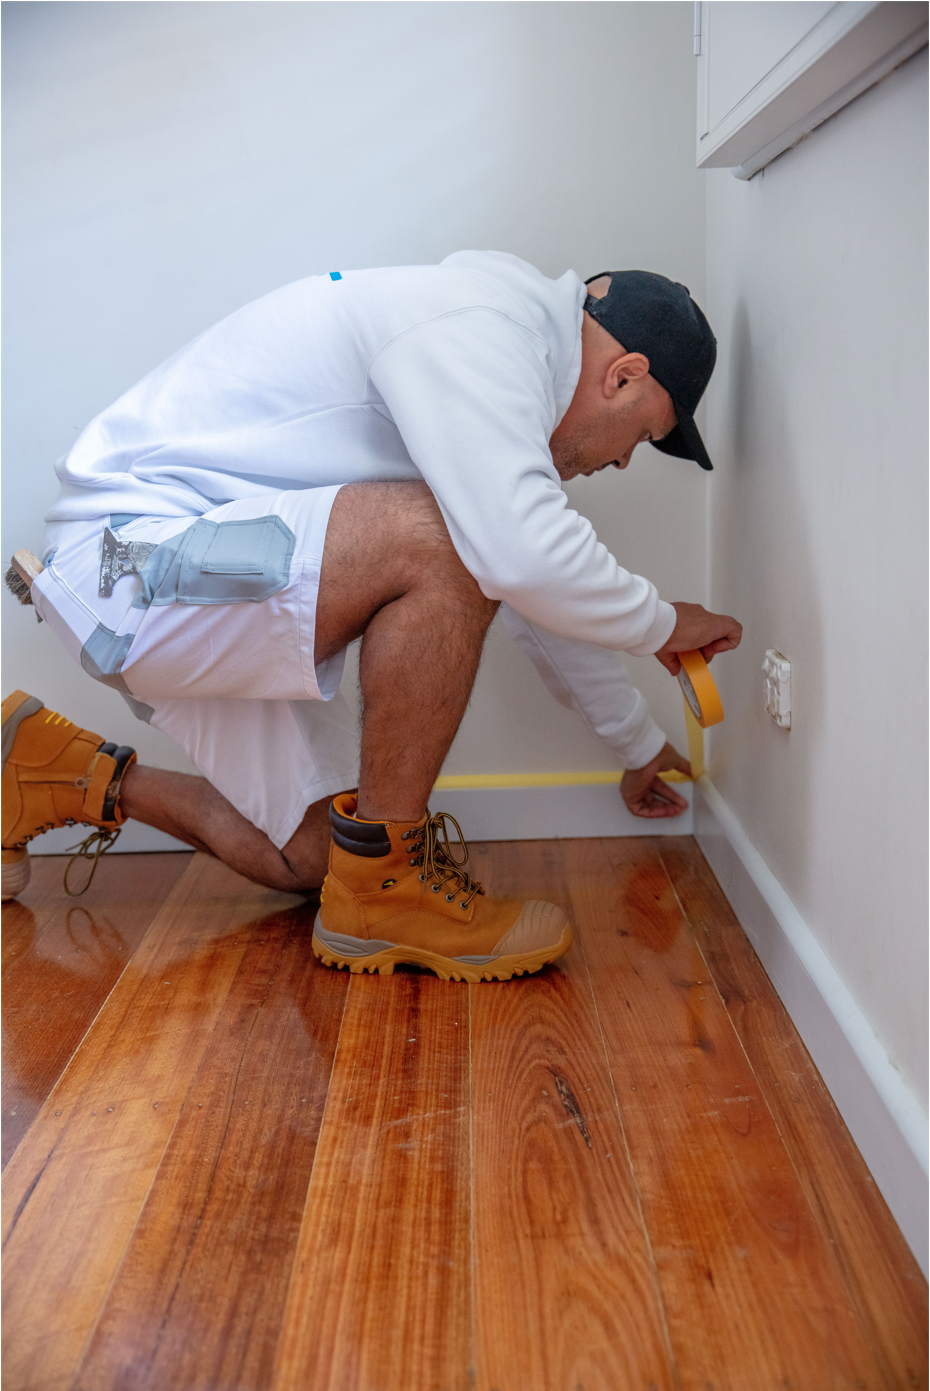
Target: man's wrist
647,748
659,632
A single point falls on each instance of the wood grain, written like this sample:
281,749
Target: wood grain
380,1293
198,1300
565,1290
753,1295
61,958
623,1174
884,1281
76,1186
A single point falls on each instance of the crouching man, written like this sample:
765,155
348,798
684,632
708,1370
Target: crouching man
375,454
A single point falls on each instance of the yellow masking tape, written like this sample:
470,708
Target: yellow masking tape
457,781
699,690
703,706
695,743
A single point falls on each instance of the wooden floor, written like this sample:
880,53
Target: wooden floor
230,1169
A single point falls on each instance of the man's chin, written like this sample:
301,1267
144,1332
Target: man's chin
572,460
570,466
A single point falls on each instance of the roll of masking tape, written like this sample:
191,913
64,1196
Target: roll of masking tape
703,706
699,690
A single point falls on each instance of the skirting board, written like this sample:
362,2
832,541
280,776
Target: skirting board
484,813
553,813
885,1119
134,838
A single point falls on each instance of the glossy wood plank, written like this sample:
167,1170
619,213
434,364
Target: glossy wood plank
76,1186
565,1290
753,1294
380,1292
882,1277
613,1175
198,1300
61,958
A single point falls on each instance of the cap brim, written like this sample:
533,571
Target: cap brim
684,442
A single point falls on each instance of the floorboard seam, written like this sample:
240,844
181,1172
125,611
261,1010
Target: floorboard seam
316,1153
695,938
660,1297
87,1032
21,1207
79,1364
219,1149
472,1264
849,1284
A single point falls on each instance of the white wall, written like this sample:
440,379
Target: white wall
817,535
165,163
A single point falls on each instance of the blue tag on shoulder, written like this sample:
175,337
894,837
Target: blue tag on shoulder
335,275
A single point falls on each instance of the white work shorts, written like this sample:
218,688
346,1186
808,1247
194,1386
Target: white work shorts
208,632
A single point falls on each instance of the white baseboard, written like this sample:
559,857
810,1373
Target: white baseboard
484,813
884,1117
553,813
134,838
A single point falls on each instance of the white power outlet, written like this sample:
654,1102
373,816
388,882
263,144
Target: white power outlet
777,687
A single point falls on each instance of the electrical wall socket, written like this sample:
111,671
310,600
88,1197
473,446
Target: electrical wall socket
777,687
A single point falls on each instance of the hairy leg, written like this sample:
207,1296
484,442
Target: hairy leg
391,574
191,809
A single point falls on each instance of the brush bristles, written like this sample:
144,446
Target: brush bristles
18,586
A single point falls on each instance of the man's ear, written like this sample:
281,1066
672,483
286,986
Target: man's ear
629,367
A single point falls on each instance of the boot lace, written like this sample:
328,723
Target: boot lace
439,863
96,844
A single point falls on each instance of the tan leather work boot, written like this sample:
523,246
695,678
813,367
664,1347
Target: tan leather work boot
54,774
394,894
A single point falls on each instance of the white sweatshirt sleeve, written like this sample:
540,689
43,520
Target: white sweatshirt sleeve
594,683
471,394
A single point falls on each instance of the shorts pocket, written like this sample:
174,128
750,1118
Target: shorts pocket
241,548
232,562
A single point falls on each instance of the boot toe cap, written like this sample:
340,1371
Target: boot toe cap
538,926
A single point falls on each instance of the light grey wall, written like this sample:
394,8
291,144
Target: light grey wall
166,163
818,509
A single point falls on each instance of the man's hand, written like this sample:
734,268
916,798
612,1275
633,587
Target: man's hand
698,628
644,791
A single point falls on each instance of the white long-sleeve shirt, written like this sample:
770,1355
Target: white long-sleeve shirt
456,373
593,682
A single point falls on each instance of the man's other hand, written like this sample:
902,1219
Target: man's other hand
698,628
644,791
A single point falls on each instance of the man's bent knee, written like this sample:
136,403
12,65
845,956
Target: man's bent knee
384,541
430,561
399,525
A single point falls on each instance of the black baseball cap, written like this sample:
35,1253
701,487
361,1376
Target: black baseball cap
657,317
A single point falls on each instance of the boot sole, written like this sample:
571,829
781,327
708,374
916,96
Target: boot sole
445,967
15,873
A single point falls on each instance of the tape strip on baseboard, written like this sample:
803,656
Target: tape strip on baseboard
703,708
458,781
